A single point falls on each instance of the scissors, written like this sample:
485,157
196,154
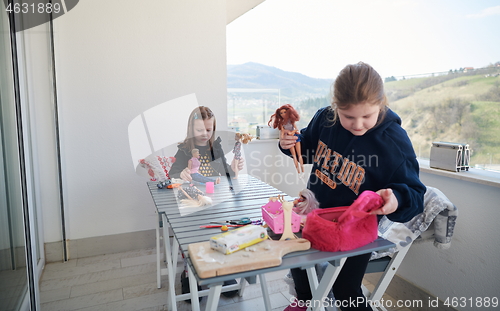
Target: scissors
218,226
234,223
242,221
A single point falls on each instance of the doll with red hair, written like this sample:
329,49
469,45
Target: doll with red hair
284,120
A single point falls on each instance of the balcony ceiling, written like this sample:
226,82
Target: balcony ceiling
236,8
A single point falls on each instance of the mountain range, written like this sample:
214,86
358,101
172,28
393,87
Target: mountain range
291,84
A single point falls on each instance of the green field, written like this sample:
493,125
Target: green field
463,109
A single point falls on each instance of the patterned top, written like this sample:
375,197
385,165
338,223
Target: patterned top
212,161
237,150
205,159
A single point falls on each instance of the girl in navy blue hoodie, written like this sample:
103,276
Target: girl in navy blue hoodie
357,144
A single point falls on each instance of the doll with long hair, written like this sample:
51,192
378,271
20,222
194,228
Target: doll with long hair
190,196
305,203
284,120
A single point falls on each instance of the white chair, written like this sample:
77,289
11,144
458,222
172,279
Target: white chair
436,223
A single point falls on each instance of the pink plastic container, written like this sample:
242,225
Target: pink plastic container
209,187
272,213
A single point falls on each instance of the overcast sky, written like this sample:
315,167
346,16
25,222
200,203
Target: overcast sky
397,37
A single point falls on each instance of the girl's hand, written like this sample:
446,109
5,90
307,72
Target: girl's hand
287,141
186,175
390,200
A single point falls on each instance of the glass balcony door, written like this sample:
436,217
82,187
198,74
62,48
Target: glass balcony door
19,239
13,273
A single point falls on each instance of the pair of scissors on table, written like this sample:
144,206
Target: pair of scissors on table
242,221
234,223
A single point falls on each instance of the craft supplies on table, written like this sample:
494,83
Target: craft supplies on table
210,263
242,221
246,200
237,239
219,226
273,215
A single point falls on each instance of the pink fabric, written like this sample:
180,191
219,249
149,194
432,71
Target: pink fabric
195,165
344,228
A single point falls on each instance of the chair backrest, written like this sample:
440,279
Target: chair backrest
437,209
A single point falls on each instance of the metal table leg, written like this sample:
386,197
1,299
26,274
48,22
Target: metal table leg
313,280
171,266
193,289
213,297
265,292
158,255
331,273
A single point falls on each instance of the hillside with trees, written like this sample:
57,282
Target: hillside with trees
458,106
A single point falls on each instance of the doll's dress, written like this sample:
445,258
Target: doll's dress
195,165
195,175
237,150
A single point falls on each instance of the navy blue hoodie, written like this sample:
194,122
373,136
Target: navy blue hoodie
344,165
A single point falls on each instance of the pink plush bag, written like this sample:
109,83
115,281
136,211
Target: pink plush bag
346,227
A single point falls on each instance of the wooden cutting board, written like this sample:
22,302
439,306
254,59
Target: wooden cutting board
210,263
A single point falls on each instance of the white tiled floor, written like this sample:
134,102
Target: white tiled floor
127,281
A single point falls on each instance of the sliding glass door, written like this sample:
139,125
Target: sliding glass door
19,251
13,273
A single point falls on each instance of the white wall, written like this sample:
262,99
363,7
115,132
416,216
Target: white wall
114,60
470,267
